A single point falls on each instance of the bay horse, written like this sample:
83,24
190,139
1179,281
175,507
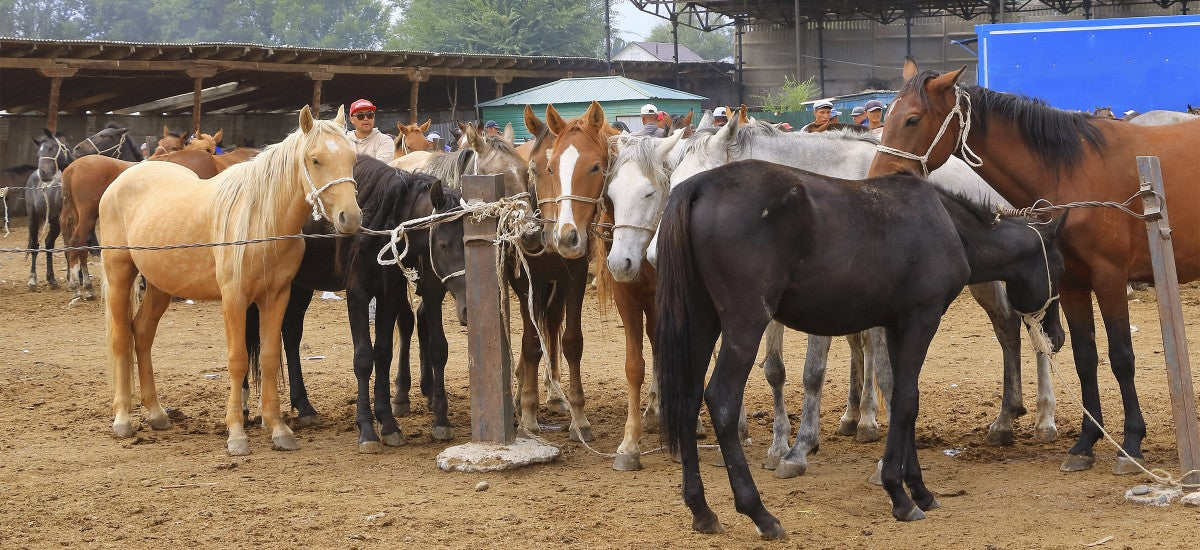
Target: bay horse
83,183
753,241
309,173
412,138
1031,152
388,197
111,141
43,200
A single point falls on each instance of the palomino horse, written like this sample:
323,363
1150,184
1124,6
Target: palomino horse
388,197
83,183
412,138
43,200
753,241
111,141
1030,152
161,203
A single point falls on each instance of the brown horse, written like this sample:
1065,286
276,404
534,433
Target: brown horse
168,143
160,203
84,182
201,141
1028,152
412,138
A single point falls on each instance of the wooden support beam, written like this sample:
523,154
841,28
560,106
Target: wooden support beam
1170,317
488,357
420,75
318,78
500,82
198,75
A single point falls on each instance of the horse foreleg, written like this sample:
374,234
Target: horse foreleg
527,371
380,402
1077,308
271,311
553,380
118,305
1115,311
773,369
1007,327
907,346
51,237
629,452
572,346
401,405
234,310
808,438
357,309
1045,429
434,353
145,326
34,231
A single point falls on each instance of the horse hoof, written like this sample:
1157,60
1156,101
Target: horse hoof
401,409
999,438
238,446
393,439
159,422
307,421
1045,435
284,442
774,531
1126,466
1077,463
914,514
932,505
877,477
847,428
122,429
628,462
370,447
787,469
582,433
33,287
707,524
442,433
772,460
867,434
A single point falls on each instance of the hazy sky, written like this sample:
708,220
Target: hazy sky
635,23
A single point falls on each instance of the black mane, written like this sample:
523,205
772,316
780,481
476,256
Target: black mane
387,197
1054,135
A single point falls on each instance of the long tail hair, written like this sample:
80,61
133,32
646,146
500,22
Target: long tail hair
685,313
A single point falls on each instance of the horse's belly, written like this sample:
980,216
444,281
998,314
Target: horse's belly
189,273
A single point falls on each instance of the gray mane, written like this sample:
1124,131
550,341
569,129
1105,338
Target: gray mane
451,167
641,151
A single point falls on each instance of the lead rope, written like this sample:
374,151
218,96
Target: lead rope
116,148
964,122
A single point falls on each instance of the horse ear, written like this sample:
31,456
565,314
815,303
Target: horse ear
742,117
508,134
532,122
425,127
946,81
437,195
594,115
400,127
306,120
910,68
166,132
728,133
664,147
687,120
340,119
217,136
48,133
554,121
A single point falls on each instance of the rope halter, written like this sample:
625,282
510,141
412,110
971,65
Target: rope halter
62,151
964,123
115,149
1033,321
433,263
314,198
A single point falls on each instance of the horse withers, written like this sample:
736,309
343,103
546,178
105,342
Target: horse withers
753,241
159,203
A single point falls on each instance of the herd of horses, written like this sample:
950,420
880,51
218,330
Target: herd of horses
733,232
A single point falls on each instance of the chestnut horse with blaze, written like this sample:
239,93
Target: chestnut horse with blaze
1030,152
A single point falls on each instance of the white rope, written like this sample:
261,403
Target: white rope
314,198
1033,321
964,124
116,148
433,263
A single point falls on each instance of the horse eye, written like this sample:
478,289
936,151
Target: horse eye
649,194
596,168
316,162
912,120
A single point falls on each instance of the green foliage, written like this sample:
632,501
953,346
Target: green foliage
53,19
712,46
511,27
791,95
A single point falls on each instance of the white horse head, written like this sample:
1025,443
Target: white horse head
638,185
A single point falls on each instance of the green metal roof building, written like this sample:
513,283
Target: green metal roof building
622,99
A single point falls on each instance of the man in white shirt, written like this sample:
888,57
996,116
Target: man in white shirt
367,139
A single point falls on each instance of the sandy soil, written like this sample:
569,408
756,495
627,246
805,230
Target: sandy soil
67,481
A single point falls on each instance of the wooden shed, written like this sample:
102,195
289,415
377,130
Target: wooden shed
622,99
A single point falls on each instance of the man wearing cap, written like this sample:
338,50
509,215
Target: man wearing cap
433,137
490,128
821,110
367,139
720,117
874,110
650,122
859,115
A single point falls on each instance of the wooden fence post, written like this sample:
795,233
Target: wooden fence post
1170,316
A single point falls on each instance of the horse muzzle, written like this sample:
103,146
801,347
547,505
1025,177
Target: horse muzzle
347,221
569,241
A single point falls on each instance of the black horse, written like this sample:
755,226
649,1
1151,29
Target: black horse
753,241
111,141
388,197
43,200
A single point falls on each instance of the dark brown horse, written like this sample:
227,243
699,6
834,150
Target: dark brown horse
1028,152
83,183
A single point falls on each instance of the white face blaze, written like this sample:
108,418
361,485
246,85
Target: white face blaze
636,203
566,171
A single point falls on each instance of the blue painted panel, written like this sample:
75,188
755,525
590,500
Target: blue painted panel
1139,63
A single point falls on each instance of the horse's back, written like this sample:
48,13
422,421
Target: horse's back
412,161
203,164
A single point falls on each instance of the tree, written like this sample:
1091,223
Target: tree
50,19
791,96
511,27
713,45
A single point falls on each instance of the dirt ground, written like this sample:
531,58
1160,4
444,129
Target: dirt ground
66,481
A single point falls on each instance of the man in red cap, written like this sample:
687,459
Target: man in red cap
367,139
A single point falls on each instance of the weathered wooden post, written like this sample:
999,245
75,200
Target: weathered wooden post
1170,316
494,445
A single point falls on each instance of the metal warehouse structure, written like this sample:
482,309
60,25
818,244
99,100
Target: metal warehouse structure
622,99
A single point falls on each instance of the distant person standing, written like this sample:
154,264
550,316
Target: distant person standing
367,139
859,116
720,117
491,128
650,125
874,110
822,111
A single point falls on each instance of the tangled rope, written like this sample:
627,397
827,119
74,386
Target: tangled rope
1043,206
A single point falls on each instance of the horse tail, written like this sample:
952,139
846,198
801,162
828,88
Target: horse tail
685,312
253,343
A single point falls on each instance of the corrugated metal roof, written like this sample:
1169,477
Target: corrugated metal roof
580,90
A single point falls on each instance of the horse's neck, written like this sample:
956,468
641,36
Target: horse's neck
838,158
1011,166
129,152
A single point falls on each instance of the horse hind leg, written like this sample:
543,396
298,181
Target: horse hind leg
1007,327
773,369
848,425
34,233
51,237
145,326
874,351
808,438
1045,429
118,310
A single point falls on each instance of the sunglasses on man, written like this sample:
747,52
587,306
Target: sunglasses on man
365,116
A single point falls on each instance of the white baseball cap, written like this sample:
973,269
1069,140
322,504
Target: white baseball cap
823,104
433,136
649,109
720,112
